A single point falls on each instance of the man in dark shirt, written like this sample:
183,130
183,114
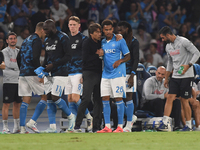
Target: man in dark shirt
92,71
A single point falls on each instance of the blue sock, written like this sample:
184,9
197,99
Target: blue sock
73,107
51,110
120,111
39,109
78,103
129,110
106,111
63,106
23,113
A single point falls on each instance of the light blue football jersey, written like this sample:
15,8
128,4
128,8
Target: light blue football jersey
113,51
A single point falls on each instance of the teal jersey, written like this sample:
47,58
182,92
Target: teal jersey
113,51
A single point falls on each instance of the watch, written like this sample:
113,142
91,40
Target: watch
190,64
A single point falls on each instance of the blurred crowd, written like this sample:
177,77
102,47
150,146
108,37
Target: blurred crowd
145,16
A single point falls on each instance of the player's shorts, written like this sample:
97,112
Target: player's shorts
10,93
74,85
181,87
133,88
55,85
113,87
29,85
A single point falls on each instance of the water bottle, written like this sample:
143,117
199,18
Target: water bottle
180,71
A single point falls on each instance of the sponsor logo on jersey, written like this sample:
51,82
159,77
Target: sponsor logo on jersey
176,52
109,50
51,48
73,46
158,92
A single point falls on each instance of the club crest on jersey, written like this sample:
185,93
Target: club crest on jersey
76,41
113,45
73,46
51,48
56,42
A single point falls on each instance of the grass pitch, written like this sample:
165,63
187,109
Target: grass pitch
102,141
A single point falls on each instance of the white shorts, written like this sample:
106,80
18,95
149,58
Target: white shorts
30,84
55,85
113,87
133,88
74,85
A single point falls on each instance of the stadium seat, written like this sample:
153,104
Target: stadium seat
152,70
142,75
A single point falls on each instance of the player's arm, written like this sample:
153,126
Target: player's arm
192,49
125,52
36,47
8,63
2,65
135,61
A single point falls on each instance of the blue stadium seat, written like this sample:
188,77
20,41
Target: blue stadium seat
152,70
142,75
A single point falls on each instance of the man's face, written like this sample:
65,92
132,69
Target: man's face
73,26
165,38
160,74
108,31
122,30
12,40
48,30
96,35
25,34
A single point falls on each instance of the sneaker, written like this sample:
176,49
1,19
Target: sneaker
49,130
197,129
126,129
105,130
134,119
186,128
118,130
71,123
6,131
23,130
77,130
32,127
164,127
89,124
16,131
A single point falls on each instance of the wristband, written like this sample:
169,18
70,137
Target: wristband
190,64
133,72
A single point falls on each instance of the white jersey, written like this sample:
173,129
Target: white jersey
113,51
11,72
181,52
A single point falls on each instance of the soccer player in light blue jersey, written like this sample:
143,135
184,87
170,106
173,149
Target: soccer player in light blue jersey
116,53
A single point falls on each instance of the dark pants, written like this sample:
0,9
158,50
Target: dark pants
157,107
91,84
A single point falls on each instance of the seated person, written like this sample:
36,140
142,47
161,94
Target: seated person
154,97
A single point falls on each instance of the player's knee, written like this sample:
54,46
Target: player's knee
6,105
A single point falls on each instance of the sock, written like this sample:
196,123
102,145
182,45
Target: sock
165,119
129,110
120,112
51,110
78,103
16,124
39,109
73,107
5,124
23,113
88,116
106,113
189,124
63,106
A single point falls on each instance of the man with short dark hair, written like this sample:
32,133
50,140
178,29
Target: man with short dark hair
10,83
181,54
92,70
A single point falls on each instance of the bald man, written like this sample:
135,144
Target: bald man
57,47
154,97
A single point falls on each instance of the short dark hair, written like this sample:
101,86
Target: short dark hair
93,27
165,30
106,22
11,33
126,25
